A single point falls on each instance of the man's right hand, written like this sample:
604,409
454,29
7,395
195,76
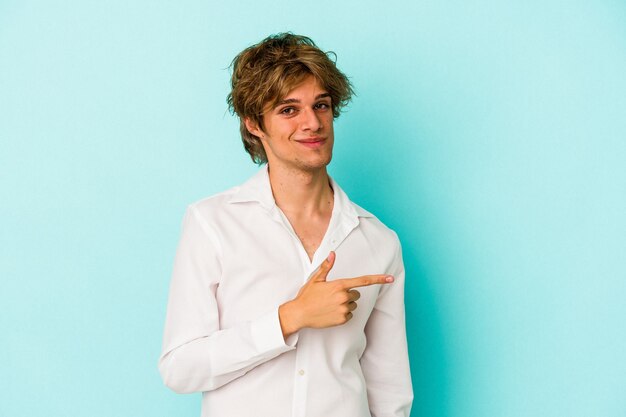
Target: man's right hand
322,303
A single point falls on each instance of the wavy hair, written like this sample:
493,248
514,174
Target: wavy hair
263,74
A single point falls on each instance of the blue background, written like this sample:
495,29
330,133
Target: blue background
489,134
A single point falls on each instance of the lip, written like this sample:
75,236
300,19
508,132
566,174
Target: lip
314,142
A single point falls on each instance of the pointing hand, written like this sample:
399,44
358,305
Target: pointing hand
321,303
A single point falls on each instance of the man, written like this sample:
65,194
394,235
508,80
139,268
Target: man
264,316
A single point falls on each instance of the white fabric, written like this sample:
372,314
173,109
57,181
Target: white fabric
237,261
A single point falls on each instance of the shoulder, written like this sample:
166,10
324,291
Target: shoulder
374,230
213,203
374,227
208,212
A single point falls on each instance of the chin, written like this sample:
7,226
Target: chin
303,163
313,165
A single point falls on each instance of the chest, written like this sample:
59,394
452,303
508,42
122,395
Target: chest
266,265
310,232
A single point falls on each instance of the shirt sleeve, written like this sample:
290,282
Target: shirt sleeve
385,361
197,354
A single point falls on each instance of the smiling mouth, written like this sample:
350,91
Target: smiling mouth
312,142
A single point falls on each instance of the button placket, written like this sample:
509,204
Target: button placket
300,381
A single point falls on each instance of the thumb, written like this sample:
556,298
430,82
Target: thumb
324,268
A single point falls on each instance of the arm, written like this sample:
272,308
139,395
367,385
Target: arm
197,355
385,362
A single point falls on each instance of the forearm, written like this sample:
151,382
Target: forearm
208,362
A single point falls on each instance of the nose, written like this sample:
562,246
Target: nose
310,120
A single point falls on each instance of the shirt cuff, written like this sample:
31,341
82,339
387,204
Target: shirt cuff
268,335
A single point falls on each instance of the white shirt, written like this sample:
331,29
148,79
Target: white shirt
238,260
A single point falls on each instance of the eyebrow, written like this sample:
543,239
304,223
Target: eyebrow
295,100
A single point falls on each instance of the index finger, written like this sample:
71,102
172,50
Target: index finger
364,281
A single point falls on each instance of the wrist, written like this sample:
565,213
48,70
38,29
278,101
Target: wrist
288,317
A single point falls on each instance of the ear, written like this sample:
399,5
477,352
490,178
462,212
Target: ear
253,127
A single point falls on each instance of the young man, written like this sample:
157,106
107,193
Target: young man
264,316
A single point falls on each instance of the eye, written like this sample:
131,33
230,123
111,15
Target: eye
288,111
322,106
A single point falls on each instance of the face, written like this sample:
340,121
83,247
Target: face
298,132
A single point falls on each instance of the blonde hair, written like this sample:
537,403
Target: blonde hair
264,73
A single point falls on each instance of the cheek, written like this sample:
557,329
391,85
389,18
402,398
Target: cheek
329,124
288,128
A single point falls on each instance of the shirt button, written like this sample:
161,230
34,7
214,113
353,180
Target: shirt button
301,372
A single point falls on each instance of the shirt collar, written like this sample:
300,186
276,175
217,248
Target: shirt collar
257,189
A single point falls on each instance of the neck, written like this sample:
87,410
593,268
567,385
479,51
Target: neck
301,193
